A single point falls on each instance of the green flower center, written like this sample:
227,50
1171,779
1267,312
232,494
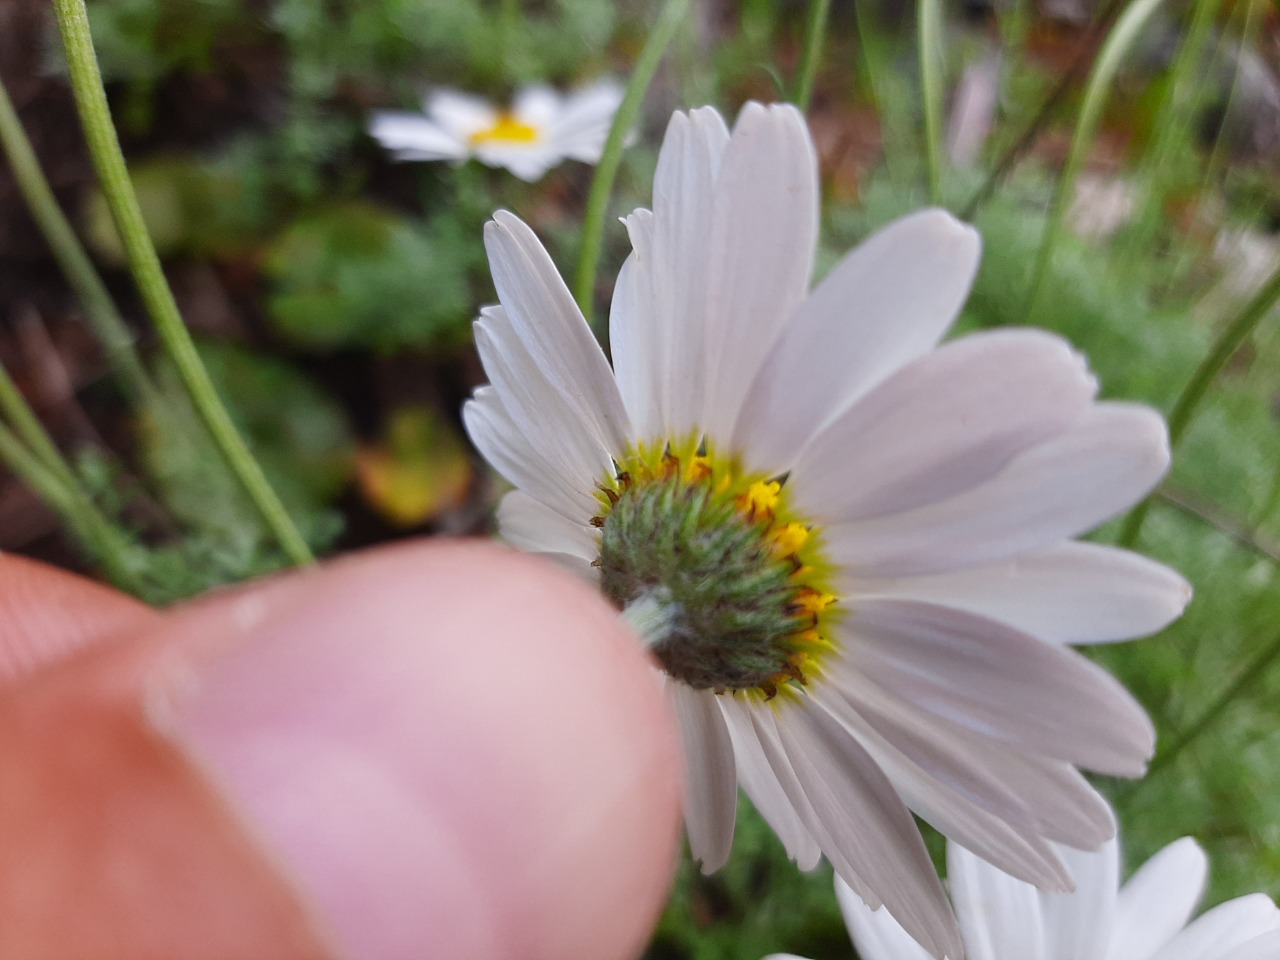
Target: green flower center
736,579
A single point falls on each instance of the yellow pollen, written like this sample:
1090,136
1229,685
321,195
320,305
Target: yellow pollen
506,129
761,497
790,537
813,601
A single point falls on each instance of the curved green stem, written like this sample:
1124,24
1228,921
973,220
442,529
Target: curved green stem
584,281
1193,393
72,259
1118,42
815,34
108,159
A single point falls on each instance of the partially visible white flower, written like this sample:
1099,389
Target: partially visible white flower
541,128
1006,919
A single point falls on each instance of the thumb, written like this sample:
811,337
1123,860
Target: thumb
435,750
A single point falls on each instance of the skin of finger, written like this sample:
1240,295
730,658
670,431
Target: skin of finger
493,767
554,840
115,844
47,613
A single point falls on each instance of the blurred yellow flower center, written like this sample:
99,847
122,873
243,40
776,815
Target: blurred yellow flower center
742,580
507,129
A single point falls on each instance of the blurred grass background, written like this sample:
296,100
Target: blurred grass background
332,292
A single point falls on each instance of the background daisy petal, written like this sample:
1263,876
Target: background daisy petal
411,136
874,932
1077,926
1000,916
1158,900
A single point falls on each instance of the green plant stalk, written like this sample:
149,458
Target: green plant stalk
89,526
1188,402
72,259
1009,158
873,64
14,407
1247,677
929,26
815,35
108,159
664,30
1119,40
1173,117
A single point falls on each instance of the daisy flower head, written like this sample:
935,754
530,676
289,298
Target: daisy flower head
849,548
1145,919
540,129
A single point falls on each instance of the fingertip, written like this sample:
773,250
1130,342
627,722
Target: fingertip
452,749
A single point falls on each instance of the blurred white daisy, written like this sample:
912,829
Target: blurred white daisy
541,128
1146,919
848,547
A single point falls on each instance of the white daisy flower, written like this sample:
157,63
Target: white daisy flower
848,547
541,129
1146,919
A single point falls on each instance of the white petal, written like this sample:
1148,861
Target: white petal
531,525
551,327
634,333
1041,699
762,785
1219,932
764,232
528,162
863,827
874,932
1158,900
997,802
560,428
1265,946
1105,463
887,302
461,114
582,126
942,425
1077,926
412,136
683,194
1000,916
711,784
1073,593
506,447
537,105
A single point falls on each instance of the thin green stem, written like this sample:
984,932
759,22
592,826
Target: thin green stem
664,30
815,35
72,259
89,526
1247,677
873,62
108,159
14,407
1119,40
1009,159
1188,402
929,26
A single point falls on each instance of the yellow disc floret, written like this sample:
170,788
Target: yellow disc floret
506,129
742,580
